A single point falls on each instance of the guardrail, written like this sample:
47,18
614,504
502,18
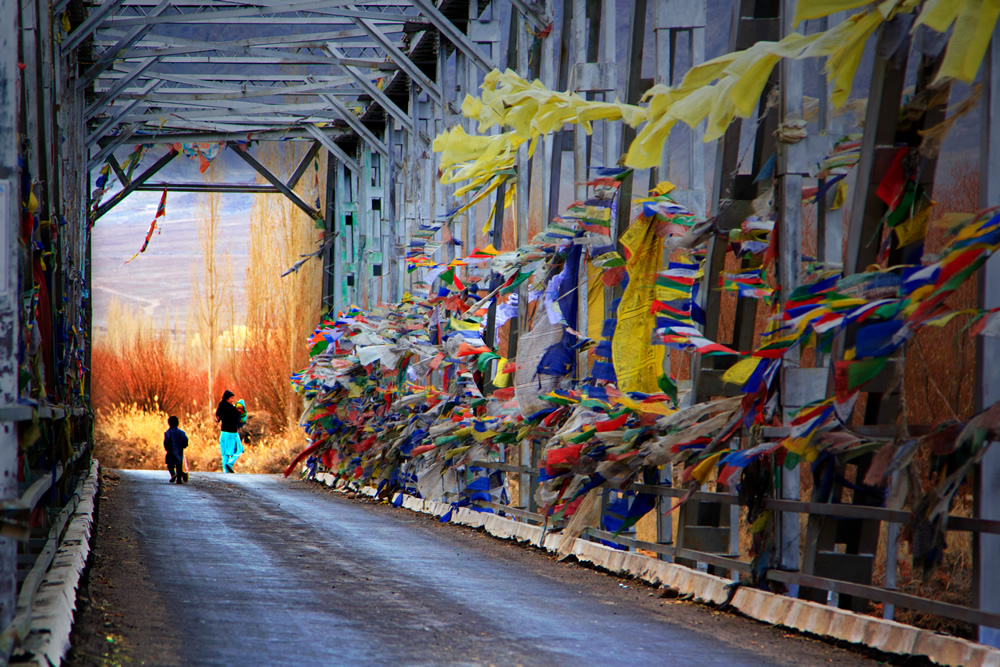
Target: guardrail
20,627
39,518
665,494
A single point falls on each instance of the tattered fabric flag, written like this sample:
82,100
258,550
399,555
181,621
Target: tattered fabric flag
161,210
449,278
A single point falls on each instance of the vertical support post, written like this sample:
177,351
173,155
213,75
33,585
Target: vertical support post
579,134
985,547
9,313
523,166
792,163
333,269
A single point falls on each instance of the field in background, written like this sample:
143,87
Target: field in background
143,372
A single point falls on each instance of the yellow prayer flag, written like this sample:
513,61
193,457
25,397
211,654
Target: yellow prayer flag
741,371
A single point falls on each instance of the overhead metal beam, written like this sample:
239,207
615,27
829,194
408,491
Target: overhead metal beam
109,123
108,56
454,35
322,8
336,150
122,176
293,180
390,107
187,137
191,96
224,188
109,145
356,124
87,28
401,59
288,41
272,58
224,15
134,185
537,21
112,92
274,180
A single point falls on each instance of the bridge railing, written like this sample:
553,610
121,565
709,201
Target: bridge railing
739,566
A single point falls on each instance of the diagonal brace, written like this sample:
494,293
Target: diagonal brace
334,149
355,123
136,182
303,165
274,180
454,35
401,59
390,107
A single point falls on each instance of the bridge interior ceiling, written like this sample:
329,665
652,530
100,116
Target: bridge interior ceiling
181,67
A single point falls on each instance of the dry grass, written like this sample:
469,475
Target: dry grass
130,437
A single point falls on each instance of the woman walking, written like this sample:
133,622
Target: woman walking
229,439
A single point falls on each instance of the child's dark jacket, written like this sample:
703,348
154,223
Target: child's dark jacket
174,441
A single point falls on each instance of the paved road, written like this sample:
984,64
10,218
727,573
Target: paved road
261,570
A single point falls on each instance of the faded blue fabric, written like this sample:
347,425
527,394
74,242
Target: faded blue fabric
231,449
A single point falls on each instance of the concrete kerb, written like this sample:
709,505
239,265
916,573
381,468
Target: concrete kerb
54,605
764,606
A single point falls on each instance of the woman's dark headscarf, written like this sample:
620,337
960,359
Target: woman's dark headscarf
220,411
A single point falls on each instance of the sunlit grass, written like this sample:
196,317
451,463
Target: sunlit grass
129,437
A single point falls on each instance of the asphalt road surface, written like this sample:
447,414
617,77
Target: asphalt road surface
259,570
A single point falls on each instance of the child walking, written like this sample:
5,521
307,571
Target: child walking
174,441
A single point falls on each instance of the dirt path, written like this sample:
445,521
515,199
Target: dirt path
353,581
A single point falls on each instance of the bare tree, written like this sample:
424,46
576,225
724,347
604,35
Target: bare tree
211,287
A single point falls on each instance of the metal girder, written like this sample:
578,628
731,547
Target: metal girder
401,59
112,54
336,150
109,147
390,107
216,79
122,176
134,185
356,124
192,96
185,137
223,15
537,21
285,41
322,8
293,180
224,188
109,123
273,180
454,35
87,28
111,93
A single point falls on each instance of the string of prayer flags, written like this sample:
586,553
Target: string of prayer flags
161,210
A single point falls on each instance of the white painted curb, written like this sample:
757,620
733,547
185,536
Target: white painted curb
55,603
802,615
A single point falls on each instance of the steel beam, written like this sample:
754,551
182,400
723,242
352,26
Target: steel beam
134,185
87,28
109,123
114,53
401,59
390,107
185,137
111,93
293,180
108,146
356,124
274,180
331,146
454,35
224,188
